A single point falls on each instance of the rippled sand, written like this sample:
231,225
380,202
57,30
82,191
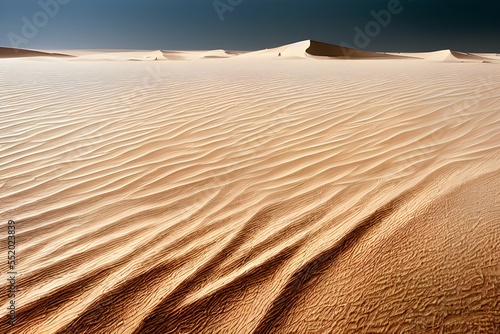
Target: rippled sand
252,195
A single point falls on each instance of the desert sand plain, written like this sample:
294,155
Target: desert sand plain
303,189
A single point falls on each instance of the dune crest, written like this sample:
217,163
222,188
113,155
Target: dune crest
450,56
310,48
21,53
329,50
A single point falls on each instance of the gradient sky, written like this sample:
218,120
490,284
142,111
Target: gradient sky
464,25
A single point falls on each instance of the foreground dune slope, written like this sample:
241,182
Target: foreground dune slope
252,196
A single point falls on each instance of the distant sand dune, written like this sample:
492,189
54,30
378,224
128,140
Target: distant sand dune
307,49
453,56
450,56
329,50
252,196
124,55
19,53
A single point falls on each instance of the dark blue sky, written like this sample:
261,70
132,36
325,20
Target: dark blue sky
420,25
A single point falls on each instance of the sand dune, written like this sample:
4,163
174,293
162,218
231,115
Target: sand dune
453,56
123,55
308,49
450,56
243,195
193,55
328,50
19,53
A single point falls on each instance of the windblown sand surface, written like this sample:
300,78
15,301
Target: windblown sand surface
251,195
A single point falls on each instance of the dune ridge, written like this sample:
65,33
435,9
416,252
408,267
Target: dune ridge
307,49
281,197
450,56
329,50
20,53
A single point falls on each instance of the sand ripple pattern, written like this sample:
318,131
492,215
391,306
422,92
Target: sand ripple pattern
245,196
